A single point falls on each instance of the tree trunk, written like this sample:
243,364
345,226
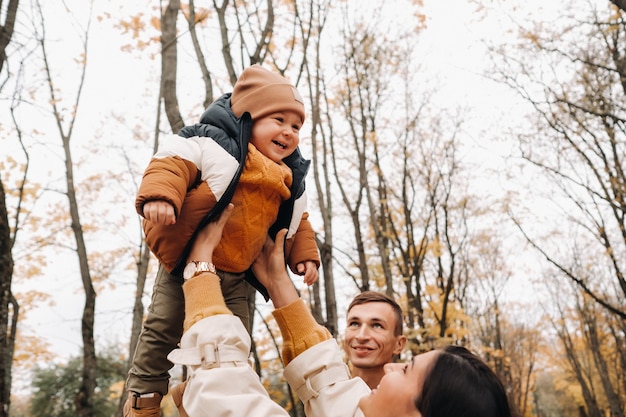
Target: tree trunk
7,331
84,399
593,340
169,52
322,174
6,274
206,74
592,408
6,30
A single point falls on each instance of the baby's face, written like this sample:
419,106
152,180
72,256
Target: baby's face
277,135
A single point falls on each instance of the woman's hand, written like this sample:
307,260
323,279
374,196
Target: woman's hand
209,237
270,270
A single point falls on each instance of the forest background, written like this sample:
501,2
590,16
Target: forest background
467,159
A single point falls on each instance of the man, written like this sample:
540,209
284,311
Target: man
373,335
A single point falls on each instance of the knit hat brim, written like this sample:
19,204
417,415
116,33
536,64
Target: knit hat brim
261,92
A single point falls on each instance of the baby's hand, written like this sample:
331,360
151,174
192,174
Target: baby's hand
159,212
309,270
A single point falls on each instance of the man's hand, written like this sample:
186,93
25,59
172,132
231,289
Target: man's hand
159,212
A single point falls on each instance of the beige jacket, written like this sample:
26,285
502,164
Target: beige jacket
223,384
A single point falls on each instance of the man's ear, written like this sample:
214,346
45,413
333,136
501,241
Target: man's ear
400,343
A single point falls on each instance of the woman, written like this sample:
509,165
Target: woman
215,346
450,382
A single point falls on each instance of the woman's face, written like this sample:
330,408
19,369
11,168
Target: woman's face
397,390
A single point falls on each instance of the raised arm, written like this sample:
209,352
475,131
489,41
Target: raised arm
299,329
215,346
314,364
269,268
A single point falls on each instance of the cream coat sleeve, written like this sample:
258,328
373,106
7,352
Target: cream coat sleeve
221,381
323,383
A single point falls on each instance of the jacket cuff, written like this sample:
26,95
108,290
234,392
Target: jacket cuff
299,329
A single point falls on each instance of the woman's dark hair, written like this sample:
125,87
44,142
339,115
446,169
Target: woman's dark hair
461,384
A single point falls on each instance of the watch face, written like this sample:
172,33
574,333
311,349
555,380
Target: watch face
189,270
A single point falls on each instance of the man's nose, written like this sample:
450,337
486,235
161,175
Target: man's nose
363,333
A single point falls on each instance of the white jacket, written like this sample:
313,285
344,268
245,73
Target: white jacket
223,384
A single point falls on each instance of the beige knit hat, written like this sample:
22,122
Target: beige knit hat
262,92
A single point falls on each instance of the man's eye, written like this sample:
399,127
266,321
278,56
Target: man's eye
377,325
353,324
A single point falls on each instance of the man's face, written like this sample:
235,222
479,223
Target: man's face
369,336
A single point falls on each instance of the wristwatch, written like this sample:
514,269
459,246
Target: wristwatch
194,268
